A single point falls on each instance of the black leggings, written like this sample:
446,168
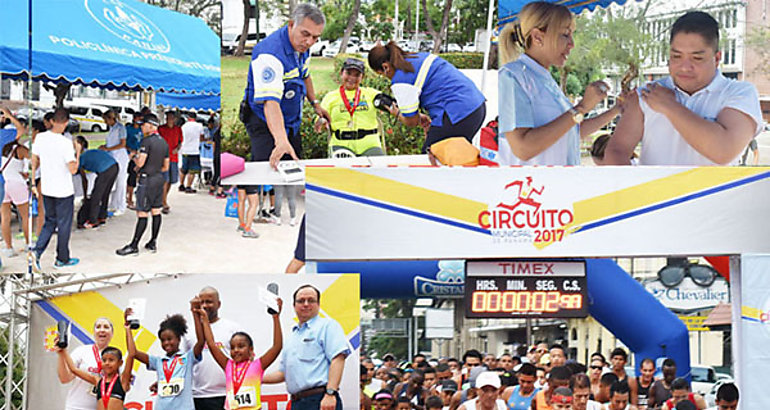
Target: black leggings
467,127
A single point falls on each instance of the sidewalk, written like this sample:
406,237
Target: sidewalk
194,238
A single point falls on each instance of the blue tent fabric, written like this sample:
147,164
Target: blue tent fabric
114,44
509,9
188,101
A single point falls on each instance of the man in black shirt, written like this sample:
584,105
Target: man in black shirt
151,161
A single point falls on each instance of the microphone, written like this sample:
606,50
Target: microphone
63,326
272,287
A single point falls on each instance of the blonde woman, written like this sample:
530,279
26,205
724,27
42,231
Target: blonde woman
540,124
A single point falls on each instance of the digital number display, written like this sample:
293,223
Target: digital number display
509,297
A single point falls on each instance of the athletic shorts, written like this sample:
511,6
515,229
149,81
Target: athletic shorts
250,189
16,192
262,142
172,175
149,192
191,164
131,174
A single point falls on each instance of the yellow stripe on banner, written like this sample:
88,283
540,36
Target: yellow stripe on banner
654,192
397,193
750,312
84,308
340,302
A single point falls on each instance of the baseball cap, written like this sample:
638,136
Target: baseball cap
355,64
388,356
488,379
149,118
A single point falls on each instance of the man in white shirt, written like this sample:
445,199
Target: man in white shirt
192,135
58,160
208,378
696,116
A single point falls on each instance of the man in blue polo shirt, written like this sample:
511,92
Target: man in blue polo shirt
106,169
279,79
313,356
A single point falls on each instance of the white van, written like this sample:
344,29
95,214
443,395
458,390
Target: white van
89,116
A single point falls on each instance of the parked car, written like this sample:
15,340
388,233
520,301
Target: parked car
89,116
453,48
230,41
332,49
469,48
365,46
711,396
318,48
703,378
25,113
126,114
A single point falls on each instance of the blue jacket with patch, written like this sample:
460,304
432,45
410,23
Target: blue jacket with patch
295,70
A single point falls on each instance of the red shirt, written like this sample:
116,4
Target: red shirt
173,137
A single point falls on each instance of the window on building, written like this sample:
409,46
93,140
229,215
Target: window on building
732,51
5,89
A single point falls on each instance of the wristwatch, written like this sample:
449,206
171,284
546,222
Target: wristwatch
577,116
315,102
330,391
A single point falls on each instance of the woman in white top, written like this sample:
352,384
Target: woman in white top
115,144
540,124
14,166
88,358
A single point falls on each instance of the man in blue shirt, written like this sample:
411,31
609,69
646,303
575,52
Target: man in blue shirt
106,169
313,356
133,141
278,80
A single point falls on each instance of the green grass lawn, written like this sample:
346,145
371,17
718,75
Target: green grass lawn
235,71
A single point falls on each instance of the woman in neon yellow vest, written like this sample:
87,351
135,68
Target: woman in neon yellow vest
354,124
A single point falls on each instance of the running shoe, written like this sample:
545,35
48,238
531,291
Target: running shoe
293,221
240,228
275,219
166,210
182,188
70,262
89,225
151,246
127,250
250,234
35,261
9,253
190,190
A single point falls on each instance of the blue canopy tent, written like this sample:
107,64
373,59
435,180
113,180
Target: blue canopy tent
114,44
508,10
188,101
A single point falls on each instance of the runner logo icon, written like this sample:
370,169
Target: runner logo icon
520,216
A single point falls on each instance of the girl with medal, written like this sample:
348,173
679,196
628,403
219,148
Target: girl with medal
540,124
243,374
354,125
109,385
175,369
87,358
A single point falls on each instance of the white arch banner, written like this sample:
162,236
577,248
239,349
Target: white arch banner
444,213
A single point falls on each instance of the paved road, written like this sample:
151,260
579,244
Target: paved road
195,238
